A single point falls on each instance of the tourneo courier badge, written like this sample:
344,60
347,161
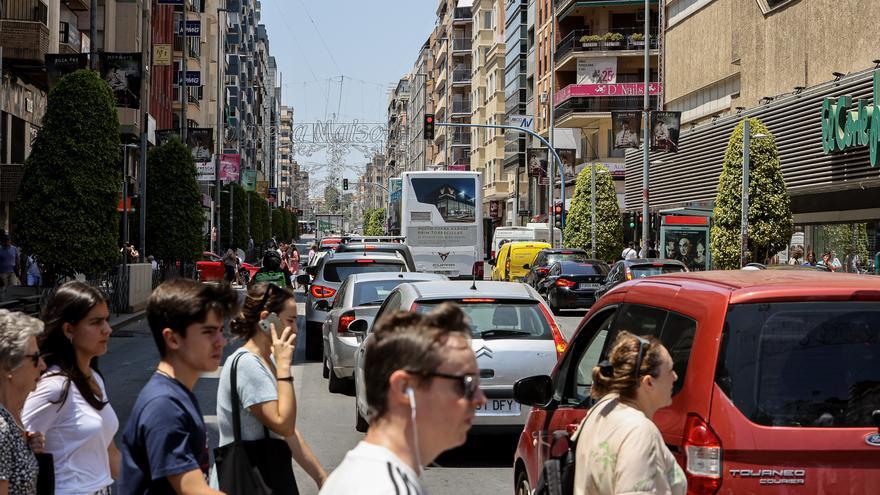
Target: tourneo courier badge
873,439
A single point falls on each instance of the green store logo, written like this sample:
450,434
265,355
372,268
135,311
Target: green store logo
844,128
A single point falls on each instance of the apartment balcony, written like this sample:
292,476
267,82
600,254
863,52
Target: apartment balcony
497,190
462,45
24,34
615,42
462,76
461,107
462,15
70,40
461,138
564,8
589,107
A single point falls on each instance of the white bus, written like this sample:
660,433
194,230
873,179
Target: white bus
442,220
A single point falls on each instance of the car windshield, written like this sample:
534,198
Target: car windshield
585,269
338,271
642,271
807,364
579,257
374,292
493,319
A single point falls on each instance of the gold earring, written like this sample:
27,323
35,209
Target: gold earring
9,376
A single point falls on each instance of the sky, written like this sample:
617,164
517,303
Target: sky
365,45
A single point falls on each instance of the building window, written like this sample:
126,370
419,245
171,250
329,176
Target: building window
488,19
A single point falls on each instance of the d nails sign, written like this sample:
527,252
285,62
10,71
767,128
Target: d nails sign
844,128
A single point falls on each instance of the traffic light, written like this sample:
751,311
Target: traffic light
428,130
558,213
632,220
345,184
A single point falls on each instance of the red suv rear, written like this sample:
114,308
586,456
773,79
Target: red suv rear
779,379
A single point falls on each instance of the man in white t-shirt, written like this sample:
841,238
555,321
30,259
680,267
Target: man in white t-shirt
422,386
629,253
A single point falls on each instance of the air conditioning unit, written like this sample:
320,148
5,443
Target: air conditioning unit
543,98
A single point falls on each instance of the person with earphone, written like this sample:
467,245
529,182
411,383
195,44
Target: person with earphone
423,387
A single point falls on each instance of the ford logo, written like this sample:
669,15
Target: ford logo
873,439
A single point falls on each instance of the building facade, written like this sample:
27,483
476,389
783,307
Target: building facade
421,151
397,152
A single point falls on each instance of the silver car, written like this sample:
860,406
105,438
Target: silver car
513,335
328,277
359,297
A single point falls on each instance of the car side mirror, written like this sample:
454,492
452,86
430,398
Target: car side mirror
527,266
359,328
491,262
304,279
322,305
533,391
311,270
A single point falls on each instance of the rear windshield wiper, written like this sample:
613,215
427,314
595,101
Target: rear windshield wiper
499,332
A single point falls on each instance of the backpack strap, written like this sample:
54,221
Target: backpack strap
580,428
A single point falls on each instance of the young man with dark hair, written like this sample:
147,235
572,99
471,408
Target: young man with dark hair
165,442
423,387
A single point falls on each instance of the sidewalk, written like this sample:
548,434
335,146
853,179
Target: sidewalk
120,320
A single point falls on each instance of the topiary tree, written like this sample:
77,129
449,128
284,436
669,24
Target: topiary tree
66,210
770,221
609,226
239,217
294,227
175,217
376,223
368,215
261,228
278,224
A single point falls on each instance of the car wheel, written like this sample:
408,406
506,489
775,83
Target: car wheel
326,371
550,302
360,424
338,385
522,484
314,341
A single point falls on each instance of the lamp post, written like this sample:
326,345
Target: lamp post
645,131
220,126
744,224
125,149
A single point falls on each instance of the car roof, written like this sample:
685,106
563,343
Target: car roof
359,255
362,246
406,276
649,261
752,286
513,244
563,251
565,263
457,289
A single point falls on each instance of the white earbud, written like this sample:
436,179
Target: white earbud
412,397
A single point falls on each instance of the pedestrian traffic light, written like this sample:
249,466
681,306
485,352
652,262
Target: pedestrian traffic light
345,184
558,213
428,130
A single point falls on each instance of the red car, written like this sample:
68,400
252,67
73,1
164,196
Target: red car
779,379
211,268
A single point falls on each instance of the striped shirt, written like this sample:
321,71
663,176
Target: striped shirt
370,469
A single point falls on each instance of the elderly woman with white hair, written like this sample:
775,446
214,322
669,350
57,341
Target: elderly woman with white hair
20,370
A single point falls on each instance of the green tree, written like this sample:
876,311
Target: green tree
239,217
376,223
278,224
609,226
175,217
66,209
770,221
261,228
840,237
332,198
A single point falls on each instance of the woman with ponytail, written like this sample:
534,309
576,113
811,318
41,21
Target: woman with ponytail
70,402
619,448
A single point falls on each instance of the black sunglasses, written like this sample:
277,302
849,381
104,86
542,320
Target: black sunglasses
643,344
35,357
469,384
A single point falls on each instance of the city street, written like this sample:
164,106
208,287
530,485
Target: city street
326,420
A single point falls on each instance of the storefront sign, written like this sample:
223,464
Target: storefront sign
597,70
205,171
843,128
599,90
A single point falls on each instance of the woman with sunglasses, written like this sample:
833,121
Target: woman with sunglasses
267,324
619,448
70,403
20,370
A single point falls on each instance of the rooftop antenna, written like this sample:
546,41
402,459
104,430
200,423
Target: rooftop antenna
474,278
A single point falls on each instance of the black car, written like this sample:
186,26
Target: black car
573,284
546,257
625,270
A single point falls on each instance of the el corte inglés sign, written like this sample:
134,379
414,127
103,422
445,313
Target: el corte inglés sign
844,128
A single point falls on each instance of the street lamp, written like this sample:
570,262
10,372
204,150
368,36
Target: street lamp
125,149
744,232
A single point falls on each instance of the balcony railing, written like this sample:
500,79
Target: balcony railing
601,104
461,138
462,44
24,40
462,14
462,75
461,106
628,41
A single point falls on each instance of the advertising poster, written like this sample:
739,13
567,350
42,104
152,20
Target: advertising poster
395,189
59,65
597,70
627,129
453,197
262,187
569,163
690,245
536,162
200,141
205,171
122,71
229,167
165,135
665,128
249,179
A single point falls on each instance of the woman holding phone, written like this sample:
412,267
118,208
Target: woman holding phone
267,402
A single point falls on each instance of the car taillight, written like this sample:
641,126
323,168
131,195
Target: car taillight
321,292
542,270
414,307
478,269
563,282
558,340
366,261
702,449
345,320
629,275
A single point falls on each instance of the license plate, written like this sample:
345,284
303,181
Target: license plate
499,407
587,286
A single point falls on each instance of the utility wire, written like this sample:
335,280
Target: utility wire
320,36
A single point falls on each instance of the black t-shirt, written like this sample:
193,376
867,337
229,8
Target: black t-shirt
165,435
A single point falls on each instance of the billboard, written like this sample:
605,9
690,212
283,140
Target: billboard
229,167
59,65
569,163
165,135
690,245
665,127
536,162
205,171
200,141
597,70
626,129
249,179
262,187
122,71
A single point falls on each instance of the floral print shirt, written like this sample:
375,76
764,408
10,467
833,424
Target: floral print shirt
621,451
18,464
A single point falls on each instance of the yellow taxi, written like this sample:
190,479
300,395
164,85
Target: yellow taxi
514,260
